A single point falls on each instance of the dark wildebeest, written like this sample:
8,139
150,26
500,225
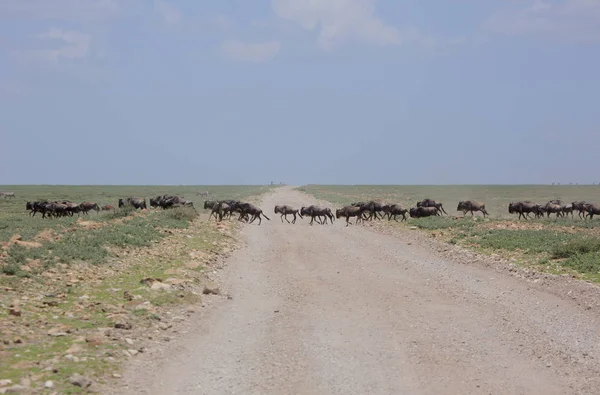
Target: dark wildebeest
349,211
316,211
133,201
523,208
592,209
251,210
566,209
471,205
372,207
553,208
286,210
37,207
396,209
431,203
581,207
85,207
420,212
218,209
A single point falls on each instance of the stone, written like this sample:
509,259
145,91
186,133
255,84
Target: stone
56,332
75,349
80,381
49,384
158,285
15,311
211,288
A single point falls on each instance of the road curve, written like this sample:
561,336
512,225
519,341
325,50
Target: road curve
344,310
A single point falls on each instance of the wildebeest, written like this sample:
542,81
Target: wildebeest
592,209
420,212
523,208
431,203
133,201
85,207
316,211
566,209
396,209
349,211
108,207
471,205
552,207
286,210
248,209
168,201
581,207
372,207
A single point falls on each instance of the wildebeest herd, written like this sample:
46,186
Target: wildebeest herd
66,208
526,208
362,211
56,209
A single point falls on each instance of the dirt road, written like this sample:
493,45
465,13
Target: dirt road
335,310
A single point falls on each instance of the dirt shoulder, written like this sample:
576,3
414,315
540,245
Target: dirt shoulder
325,308
71,327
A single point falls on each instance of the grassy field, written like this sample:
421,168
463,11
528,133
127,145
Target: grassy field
564,245
72,292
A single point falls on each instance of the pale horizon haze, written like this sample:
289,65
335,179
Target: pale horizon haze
182,92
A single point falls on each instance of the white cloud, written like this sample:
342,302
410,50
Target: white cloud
340,21
59,9
171,15
73,45
577,20
250,52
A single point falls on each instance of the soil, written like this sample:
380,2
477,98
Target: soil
369,309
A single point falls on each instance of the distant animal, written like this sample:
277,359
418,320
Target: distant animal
317,212
523,208
85,207
431,203
420,212
7,195
133,201
396,209
108,207
285,211
349,211
471,205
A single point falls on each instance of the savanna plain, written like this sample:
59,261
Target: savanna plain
167,301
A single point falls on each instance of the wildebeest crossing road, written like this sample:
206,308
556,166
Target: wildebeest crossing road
330,309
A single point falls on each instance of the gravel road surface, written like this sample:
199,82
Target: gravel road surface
329,309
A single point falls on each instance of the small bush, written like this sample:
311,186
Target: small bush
584,263
532,241
182,214
576,247
434,223
120,212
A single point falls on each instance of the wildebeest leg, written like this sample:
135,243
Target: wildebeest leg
294,220
286,218
281,218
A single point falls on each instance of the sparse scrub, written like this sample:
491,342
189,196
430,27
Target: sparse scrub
584,245
570,242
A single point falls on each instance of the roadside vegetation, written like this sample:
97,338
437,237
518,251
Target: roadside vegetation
561,246
79,295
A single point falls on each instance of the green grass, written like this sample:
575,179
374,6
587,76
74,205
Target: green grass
120,230
496,197
550,242
119,238
14,219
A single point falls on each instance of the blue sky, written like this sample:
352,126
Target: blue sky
299,91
